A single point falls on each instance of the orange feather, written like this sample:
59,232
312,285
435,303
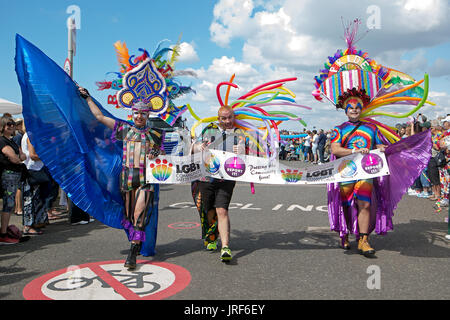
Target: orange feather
123,56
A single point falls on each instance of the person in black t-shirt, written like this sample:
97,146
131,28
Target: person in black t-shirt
11,157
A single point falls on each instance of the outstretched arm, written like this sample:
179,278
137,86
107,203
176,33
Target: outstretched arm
107,121
32,151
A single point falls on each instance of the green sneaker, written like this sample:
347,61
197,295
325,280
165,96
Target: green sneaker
225,254
211,246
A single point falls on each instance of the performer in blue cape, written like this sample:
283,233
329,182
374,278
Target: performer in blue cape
98,159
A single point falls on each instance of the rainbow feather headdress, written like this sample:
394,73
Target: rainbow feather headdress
351,69
149,80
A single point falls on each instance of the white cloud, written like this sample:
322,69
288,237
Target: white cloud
227,66
187,53
440,67
220,70
442,107
404,24
425,15
285,38
231,18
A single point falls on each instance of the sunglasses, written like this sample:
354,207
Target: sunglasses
10,124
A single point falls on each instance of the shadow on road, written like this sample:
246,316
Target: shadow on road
57,232
417,238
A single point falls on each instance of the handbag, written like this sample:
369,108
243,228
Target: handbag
38,176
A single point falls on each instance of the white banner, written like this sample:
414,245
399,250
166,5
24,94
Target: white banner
231,166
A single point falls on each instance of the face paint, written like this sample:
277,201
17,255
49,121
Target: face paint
353,103
136,113
140,117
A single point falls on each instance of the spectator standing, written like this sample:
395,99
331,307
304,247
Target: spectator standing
33,188
432,169
11,157
444,171
314,145
20,131
322,140
308,146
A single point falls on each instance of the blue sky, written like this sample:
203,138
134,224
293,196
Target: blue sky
258,40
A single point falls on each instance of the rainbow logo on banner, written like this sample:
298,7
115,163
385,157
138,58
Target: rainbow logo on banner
291,175
213,165
347,169
161,170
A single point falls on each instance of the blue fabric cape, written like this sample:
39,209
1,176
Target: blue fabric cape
74,146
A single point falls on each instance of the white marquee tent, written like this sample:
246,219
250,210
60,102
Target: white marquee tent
8,106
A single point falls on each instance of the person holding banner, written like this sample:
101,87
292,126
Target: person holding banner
140,142
352,81
212,197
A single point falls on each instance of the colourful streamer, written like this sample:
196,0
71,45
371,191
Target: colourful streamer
228,89
250,108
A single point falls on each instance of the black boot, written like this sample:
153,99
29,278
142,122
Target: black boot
130,263
139,249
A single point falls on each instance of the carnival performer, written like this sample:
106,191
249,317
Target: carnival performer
357,84
216,193
355,136
98,159
238,130
140,142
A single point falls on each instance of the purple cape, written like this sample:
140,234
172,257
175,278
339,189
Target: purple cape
406,159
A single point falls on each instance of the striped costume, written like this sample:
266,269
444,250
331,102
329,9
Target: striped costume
137,145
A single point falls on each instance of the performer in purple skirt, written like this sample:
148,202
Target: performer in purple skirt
357,84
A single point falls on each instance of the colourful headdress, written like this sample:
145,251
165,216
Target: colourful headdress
142,106
353,93
351,72
148,81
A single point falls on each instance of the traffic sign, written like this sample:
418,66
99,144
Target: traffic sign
109,280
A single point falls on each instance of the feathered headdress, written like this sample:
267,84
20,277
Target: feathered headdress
150,79
351,72
353,92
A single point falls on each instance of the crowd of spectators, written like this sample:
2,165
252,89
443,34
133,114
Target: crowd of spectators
313,148
433,183
27,189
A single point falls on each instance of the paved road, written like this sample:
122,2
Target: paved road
282,248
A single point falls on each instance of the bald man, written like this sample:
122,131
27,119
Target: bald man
214,195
